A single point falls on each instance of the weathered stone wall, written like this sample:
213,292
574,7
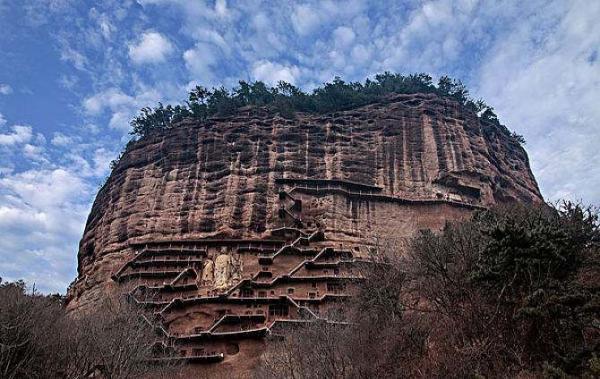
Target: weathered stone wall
384,170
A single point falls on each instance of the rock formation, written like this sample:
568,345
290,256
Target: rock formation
230,229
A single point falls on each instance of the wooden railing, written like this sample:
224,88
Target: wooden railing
375,196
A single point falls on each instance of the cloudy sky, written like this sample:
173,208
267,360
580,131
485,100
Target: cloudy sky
73,73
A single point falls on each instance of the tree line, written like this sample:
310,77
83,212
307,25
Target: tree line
287,99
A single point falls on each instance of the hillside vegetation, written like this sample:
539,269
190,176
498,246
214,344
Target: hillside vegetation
514,292
39,339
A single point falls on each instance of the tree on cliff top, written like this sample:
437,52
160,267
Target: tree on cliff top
287,99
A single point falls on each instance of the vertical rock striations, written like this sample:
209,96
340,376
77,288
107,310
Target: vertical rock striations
229,229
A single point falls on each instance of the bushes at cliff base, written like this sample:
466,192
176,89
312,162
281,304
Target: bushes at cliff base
513,292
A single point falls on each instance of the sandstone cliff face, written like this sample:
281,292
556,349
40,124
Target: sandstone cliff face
339,181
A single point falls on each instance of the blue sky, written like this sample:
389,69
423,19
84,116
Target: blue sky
73,73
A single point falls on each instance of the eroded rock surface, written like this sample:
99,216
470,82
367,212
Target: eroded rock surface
229,228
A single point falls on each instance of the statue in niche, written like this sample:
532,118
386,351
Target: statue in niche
222,272
236,268
208,272
227,269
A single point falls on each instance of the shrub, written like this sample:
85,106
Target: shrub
513,292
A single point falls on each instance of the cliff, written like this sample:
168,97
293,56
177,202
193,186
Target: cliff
229,228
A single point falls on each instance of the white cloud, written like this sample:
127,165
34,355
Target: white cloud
42,213
152,47
60,139
122,107
34,152
107,28
271,73
44,201
96,165
221,7
111,98
305,19
68,54
45,188
5,89
360,54
102,158
260,21
309,18
343,36
2,120
210,36
20,134
201,61
68,81
549,91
